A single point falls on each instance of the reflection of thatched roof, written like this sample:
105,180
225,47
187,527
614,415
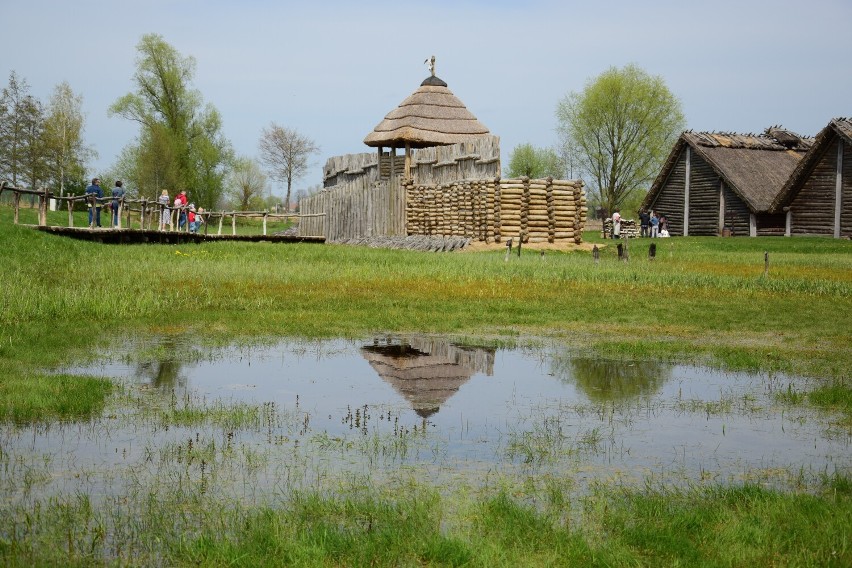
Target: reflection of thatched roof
427,375
753,167
838,128
431,116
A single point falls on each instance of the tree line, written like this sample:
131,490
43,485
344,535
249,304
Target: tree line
180,143
614,134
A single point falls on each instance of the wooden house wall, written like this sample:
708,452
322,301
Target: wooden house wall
669,200
703,198
813,207
737,213
846,193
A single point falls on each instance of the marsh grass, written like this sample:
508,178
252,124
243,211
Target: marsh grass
702,301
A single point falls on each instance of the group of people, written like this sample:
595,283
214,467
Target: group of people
186,210
653,224
95,208
650,224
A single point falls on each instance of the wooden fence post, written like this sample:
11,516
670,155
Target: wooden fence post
234,224
42,209
221,218
70,204
17,205
264,223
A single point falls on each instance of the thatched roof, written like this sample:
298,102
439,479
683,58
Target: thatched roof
838,127
431,116
755,167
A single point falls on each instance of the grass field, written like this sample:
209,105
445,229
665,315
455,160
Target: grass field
703,300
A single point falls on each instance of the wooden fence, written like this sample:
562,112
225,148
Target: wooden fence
360,208
489,210
150,215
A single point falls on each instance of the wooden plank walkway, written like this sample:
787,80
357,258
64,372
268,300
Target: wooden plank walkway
140,236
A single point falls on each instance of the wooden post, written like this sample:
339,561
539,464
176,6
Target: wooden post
721,207
142,207
120,211
17,205
264,223
221,218
752,225
206,218
234,224
407,160
42,209
788,223
393,160
70,204
765,264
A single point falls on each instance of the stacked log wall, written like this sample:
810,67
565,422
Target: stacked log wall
737,214
704,185
813,207
494,210
669,201
846,196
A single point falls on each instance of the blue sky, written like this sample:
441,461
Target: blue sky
333,70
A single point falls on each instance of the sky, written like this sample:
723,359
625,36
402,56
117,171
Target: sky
332,70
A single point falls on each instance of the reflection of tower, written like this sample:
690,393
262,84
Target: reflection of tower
426,371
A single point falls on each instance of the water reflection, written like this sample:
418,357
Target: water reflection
164,373
603,380
426,371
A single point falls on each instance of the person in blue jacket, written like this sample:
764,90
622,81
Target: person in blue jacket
117,194
95,189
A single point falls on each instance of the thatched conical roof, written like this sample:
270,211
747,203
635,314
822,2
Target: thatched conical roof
431,116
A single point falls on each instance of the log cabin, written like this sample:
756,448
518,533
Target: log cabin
817,197
725,183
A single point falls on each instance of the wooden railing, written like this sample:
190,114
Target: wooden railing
149,212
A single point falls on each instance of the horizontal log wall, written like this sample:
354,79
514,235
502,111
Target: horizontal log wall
703,198
737,214
846,197
669,202
493,210
813,207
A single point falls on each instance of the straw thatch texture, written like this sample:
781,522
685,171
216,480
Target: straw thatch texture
754,167
431,116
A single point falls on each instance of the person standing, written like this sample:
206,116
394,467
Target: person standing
117,198
96,191
184,201
165,215
644,221
616,225
655,225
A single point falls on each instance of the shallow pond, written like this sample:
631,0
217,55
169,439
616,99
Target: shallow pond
258,423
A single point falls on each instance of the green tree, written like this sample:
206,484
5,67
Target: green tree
21,127
67,152
527,160
623,125
247,185
285,152
180,145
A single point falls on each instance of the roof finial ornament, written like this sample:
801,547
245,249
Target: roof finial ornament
430,65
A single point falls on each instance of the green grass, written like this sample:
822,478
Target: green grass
739,526
703,301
